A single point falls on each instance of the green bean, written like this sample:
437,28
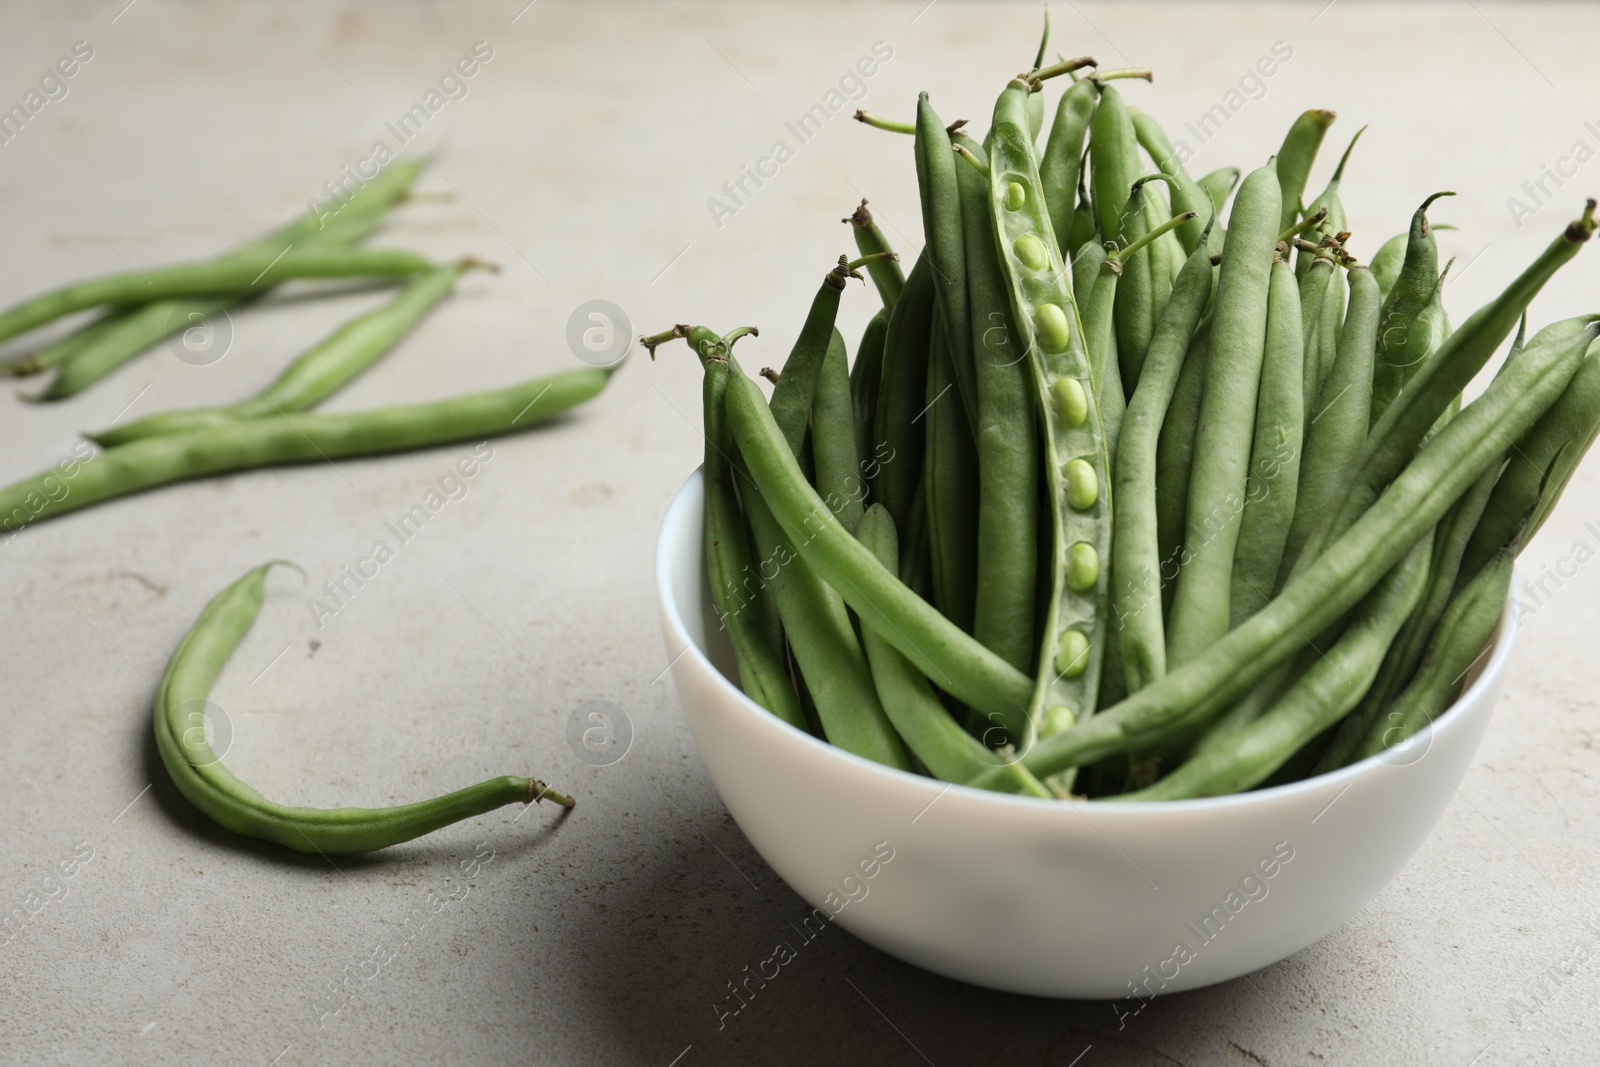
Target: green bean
1007,442
897,440
1385,266
763,675
58,352
1332,685
1394,438
1083,216
1187,195
1406,651
1329,202
370,203
943,746
1114,159
1076,466
866,372
242,272
197,771
1061,164
1175,458
1325,589
145,325
796,388
821,638
916,562
950,486
1271,488
320,371
1136,294
833,439
1136,550
885,270
935,645
1538,467
1222,447
1337,426
1460,642
941,222
1299,151
1218,185
278,440
1402,345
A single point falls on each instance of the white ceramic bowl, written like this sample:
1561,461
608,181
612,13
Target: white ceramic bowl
1049,898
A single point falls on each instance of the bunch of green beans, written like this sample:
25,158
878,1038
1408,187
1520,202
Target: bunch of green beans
1155,496
274,428
138,310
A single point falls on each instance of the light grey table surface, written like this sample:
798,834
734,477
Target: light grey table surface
582,158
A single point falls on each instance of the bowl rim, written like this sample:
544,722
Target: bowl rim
1500,653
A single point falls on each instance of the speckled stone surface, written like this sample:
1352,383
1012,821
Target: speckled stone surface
582,157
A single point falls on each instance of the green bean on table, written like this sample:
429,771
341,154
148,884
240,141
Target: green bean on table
321,370
92,351
200,775
277,440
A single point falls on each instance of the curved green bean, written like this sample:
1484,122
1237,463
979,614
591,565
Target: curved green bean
206,783
1187,194
884,269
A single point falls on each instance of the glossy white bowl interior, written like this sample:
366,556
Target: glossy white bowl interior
1050,898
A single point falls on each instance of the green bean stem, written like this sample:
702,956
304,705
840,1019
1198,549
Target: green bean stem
202,778
885,270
